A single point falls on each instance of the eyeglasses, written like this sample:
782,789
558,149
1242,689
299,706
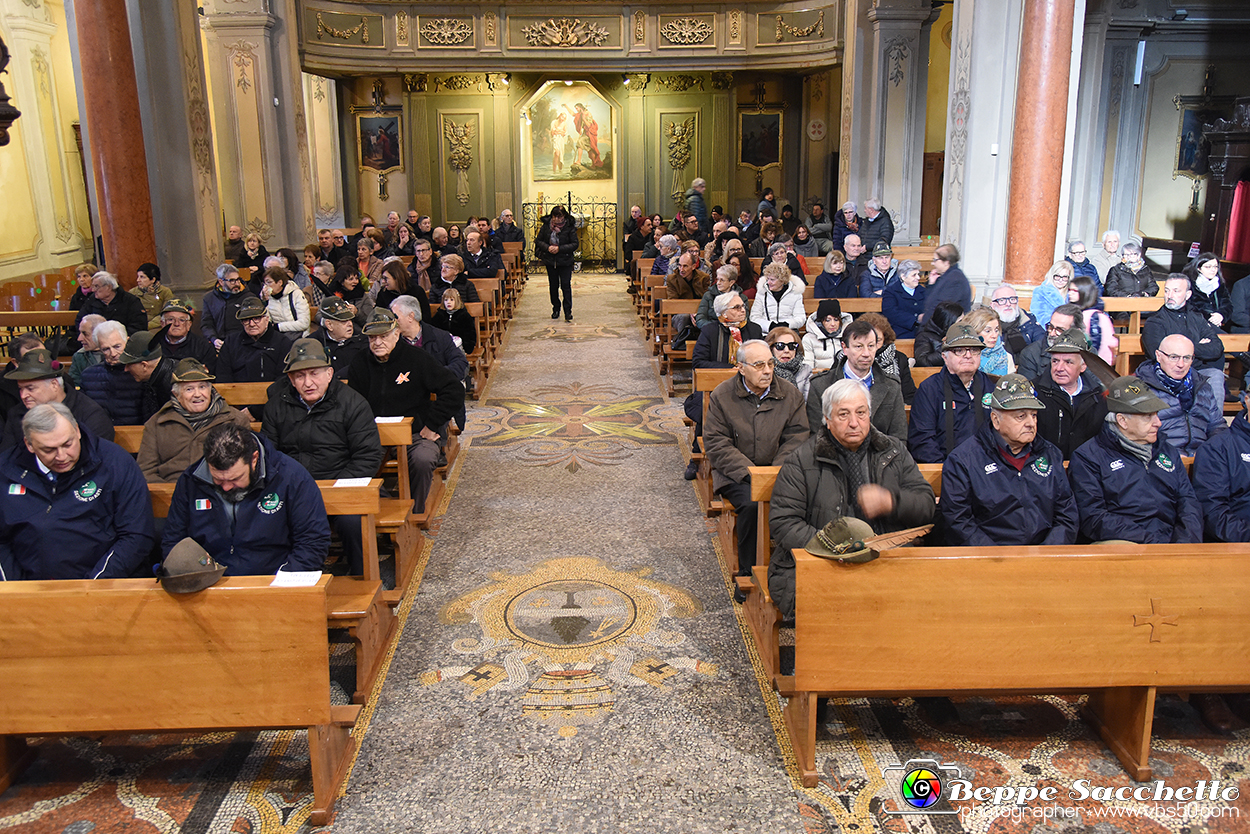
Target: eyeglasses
1076,252
736,307
963,352
759,366
1006,300
1174,357
785,345
1051,328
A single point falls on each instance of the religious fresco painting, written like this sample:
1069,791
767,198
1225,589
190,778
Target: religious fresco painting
571,134
759,139
379,138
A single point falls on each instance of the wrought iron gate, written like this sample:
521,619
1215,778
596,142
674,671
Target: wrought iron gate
597,229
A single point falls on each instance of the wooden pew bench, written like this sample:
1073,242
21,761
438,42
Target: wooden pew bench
358,604
86,657
705,381
669,357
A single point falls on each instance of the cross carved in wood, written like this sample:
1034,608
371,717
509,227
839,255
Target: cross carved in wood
1155,619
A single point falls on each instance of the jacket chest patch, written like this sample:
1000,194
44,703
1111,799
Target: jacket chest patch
1117,464
17,489
1041,466
1165,463
985,400
402,378
992,468
1245,456
269,504
87,492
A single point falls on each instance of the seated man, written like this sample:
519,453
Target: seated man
1075,408
114,303
174,436
432,340
177,340
337,335
72,506
1195,412
38,383
254,354
846,468
326,426
480,260
218,317
143,361
1019,328
108,384
953,403
1177,316
397,380
1034,360
509,231
687,281
1130,483
1005,485
753,419
859,352
19,346
251,507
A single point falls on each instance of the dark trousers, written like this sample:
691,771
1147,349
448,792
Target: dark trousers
739,495
348,529
422,457
561,278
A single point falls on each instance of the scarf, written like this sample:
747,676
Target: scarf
216,405
1182,389
855,465
887,360
1137,450
787,370
994,360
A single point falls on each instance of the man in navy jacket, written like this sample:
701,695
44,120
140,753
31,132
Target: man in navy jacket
1005,485
952,404
253,509
72,506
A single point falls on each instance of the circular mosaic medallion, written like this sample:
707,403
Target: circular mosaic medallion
570,613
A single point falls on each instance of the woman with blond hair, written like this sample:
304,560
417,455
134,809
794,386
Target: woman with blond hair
995,359
1052,292
787,352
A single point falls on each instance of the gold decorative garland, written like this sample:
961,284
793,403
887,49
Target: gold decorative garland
818,27
343,34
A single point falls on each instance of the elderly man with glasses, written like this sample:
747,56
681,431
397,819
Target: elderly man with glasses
952,404
1019,329
753,419
1194,411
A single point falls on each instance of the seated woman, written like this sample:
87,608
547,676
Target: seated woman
835,280
455,319
285,303
788,354
151,293
821,342
368,263
932,334
726,279
747,276
252,262
1052,292
396,281
82,277
346,285
403,240
903,300
804,243
1084,293
173,438
778,299
995,359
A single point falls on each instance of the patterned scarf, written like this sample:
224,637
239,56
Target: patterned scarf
855,464
1182,389
994,360
215,406
1140,451
787,370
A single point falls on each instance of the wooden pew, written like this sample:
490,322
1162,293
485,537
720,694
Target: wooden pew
1120,622
359,605
1132,353
483,355
670,307
89,657
705,381
1134,307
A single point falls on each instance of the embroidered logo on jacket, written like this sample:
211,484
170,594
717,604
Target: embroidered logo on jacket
993,467
87,492
1165,463
1041,466
1117,464
269,504
17,489
1245,456
203,504
985,401
402,378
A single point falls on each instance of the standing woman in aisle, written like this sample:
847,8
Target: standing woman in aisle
556,243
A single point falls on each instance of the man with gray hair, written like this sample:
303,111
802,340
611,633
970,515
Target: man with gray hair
72,505
846,468
878,226
669,246
220,305
696,205
753,419
39,381
115,304
436,342
1107,255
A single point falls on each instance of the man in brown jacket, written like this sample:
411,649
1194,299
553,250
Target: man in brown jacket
686,281
753,419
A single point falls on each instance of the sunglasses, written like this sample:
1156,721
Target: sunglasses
785,345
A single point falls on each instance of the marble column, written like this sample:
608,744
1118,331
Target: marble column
259,124
114,130
898,81
1037,139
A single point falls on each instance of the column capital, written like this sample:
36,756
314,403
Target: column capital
238,20
908,11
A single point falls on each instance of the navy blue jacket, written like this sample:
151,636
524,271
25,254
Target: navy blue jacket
280,523
96,523
844,285
116,392
244,359
952,285
1186,429
926,430
986,502
902,309
1086,268
1222,483
1119,497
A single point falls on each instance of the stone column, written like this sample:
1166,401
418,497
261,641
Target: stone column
259,126
898,81
181,169
114,127
1037,139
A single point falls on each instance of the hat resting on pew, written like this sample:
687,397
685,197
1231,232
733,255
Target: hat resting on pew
191,370
1129,395
336,308
305,354
251,308
188,568
1013,393
380,323
843,539
962,335
144,346
35,364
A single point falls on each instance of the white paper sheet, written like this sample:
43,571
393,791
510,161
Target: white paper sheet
295,578
351,482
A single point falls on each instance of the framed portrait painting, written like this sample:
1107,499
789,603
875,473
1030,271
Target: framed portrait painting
570,133
759,139
1192,146
380,141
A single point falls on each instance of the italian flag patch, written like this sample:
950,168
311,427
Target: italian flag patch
17,489
203,504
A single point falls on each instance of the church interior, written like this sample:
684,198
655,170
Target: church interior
141,132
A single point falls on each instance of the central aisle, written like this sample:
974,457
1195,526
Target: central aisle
572,661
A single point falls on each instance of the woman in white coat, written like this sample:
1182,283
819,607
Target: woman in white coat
286,303
821,341
778,299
